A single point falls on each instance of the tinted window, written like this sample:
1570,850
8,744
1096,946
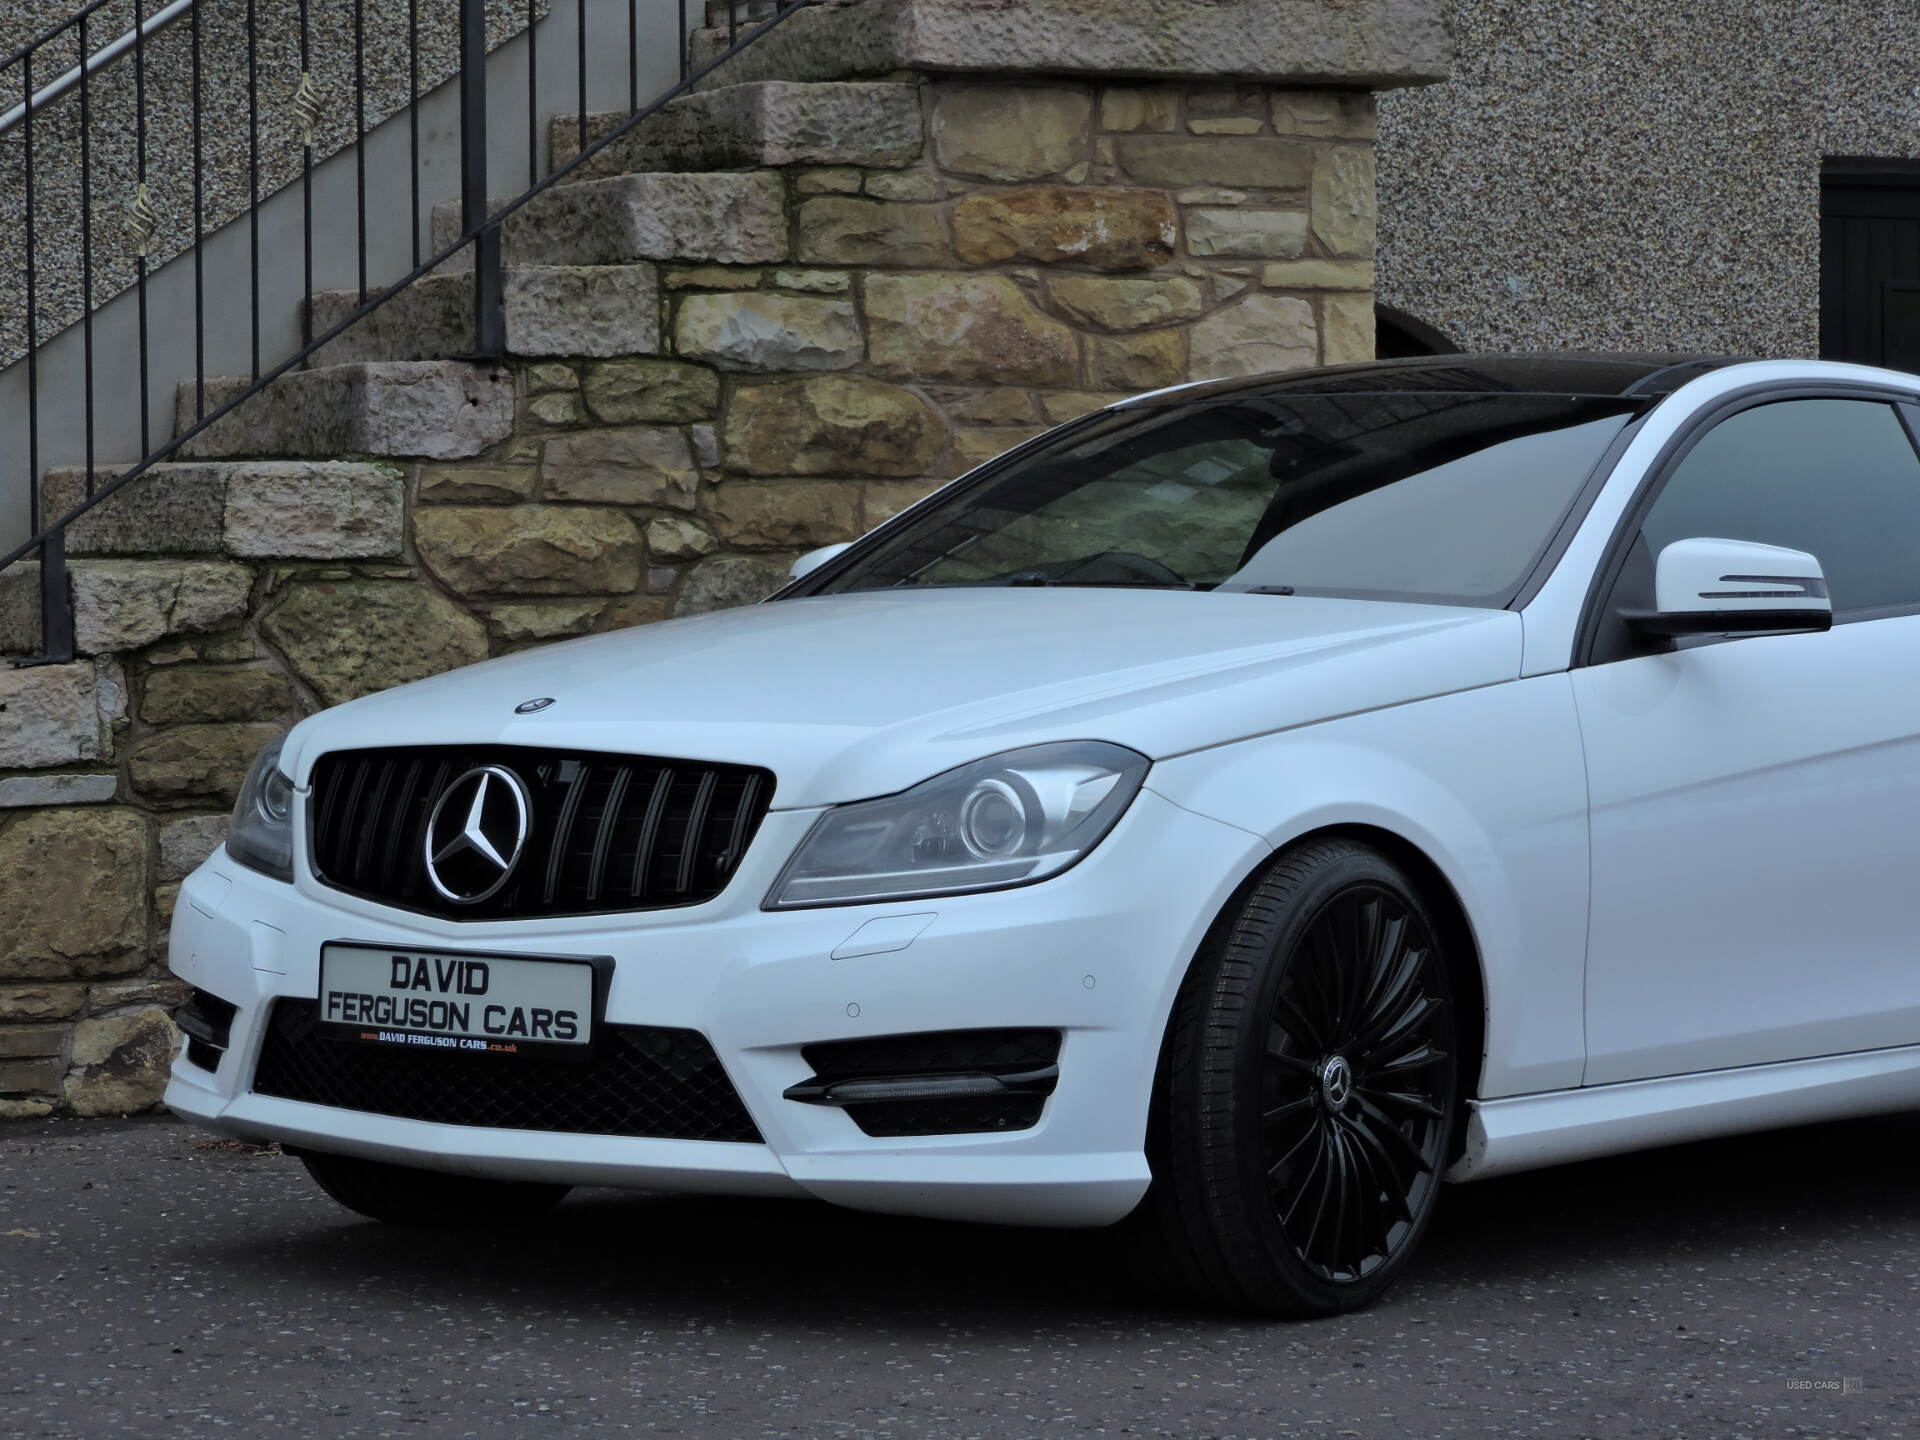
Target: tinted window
1836,478
1428,497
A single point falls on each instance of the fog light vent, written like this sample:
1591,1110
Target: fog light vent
207,1022
939,1082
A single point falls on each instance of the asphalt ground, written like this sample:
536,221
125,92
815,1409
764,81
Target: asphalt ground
154,1281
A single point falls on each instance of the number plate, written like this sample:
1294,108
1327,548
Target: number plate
429,999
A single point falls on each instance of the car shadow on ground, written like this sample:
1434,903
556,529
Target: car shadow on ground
790,1261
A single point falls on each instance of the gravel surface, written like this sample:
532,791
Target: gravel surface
155,1281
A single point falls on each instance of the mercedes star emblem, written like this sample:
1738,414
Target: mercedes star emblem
477,833
533,707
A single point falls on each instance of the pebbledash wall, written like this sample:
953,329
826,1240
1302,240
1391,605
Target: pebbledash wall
1639,174
1105,205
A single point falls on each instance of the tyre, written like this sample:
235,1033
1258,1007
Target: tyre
428,1199
1307,1099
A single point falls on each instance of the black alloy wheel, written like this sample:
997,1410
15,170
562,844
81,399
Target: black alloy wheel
1308,1100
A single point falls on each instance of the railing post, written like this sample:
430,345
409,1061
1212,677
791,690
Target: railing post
56,607
489,308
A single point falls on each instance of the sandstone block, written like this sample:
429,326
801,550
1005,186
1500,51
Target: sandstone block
1344,204
20,609
22,1077
664,392
885,499
1116,303
147,990
1318,275
916,185
965,327
315,510
30,1042
715,277
672,539
785,515
197,760
41,1002
430,318
169,510
1260,234
1012,132
551,375
1106,229
558,411
199,693
184,843
832,424
827,182
350,638
1139,107
543,619
120,1062
477,484
767,331
1148,361
814,282
26,791
727,581
582,309
840,230
1324,112
530,549
638,466
1246,162
126,604
51,858
985,407
727,218
430,409
1255,335
1346,329
631,610
976,447
49,715
1072,404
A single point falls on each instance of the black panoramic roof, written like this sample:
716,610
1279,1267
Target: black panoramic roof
1636,376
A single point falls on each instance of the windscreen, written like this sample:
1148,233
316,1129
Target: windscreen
1441,498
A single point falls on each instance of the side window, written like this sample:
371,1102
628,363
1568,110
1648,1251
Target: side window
1836,478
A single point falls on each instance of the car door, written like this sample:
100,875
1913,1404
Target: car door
1755,801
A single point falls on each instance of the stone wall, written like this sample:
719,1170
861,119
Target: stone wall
833,341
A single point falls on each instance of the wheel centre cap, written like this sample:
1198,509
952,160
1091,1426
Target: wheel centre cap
1336,1081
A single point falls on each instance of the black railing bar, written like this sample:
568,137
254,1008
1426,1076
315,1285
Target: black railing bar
413,128
199,237
686,59
105,56
86,248
253,184
33,331
580,24
533,92
360,134
633,54
142,211
309,98
424,268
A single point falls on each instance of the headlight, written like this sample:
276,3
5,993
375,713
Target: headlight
1008,820
261,836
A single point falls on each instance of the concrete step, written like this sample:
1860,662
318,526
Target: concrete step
429,409
573,310
249,509
768,124
731,218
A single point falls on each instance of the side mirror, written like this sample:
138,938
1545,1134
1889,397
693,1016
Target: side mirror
814,559
1735,587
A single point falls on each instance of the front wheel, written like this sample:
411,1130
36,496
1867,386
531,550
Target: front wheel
1309,1095
428,1199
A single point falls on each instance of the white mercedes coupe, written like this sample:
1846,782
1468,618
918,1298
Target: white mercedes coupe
1249,805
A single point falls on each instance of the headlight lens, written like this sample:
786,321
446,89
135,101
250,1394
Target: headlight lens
261,836
1007,820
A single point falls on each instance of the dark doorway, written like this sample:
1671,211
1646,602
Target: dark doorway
1870,262
1398,336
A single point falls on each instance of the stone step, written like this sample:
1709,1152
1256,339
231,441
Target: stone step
572,310
427,409
730,218
249,509
745,127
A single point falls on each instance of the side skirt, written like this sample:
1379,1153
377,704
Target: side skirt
1528,1132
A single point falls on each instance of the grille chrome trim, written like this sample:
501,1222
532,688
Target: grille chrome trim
610,833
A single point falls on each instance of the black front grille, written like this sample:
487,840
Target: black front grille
1001,1053
640,1081
607,832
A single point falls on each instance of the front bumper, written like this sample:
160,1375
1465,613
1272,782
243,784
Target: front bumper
1096,953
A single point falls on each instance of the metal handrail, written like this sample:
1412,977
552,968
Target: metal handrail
99,60
481,229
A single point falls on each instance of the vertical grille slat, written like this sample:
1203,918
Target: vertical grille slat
606,832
